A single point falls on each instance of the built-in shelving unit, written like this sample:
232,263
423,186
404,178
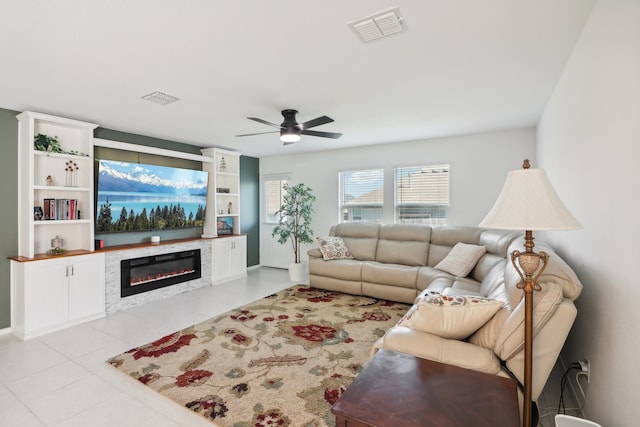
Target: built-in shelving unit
49,293
224,189
66,176
229,250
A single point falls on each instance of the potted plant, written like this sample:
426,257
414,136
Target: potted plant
295,224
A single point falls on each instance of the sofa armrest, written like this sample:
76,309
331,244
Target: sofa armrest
438,349
314,253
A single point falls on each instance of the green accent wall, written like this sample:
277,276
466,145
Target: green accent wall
250,202
8,208
149,141
250,206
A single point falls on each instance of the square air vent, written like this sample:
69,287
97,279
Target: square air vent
380,24
160,98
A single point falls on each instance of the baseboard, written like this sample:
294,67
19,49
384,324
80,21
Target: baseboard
5,331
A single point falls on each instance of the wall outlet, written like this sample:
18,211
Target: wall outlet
586,367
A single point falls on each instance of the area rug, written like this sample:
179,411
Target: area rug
280,361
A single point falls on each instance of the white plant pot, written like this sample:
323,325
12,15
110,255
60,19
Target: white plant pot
298,272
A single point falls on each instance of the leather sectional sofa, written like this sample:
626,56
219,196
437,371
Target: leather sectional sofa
398,262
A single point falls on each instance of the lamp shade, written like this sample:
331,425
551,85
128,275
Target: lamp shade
529,202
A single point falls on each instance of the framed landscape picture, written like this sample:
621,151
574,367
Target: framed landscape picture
225,225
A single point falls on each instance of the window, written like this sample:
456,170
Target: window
361,195
274,194
422,195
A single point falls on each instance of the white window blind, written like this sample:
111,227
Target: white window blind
274,194
361,195
422,194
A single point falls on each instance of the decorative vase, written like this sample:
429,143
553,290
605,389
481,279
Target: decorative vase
298,271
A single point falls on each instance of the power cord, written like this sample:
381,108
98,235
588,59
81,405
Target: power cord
563,383
552,411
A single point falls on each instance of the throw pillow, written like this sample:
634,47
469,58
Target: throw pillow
461,259
454,317
333,248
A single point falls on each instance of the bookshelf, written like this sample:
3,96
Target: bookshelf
65,176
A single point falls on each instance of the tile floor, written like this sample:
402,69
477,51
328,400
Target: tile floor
61,379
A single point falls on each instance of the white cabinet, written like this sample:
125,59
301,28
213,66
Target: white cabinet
65,176
229,258
54,293
223,205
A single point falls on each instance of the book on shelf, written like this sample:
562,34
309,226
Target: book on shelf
60,209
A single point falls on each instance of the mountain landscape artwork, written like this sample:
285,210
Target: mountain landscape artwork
136,197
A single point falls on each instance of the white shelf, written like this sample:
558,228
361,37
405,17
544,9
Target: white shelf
67,156
60,188
62,222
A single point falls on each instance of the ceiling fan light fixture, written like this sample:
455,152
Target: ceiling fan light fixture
289,136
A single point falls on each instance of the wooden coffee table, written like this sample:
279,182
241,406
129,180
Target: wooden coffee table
399,390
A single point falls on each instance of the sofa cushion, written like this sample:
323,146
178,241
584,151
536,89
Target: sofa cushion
461,259
406,244
511,337
360,237
454,317
443,238
344,269
333,248
432,347
389,274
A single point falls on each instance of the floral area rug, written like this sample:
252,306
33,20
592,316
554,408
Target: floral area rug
280,361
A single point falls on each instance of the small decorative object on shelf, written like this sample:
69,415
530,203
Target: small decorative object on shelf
49,180
224,190
223,165
229,207
38,213
71,169
56,246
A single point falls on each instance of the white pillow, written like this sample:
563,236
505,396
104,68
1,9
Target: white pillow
461,259
454,317
333,248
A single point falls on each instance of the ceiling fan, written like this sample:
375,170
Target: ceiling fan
290,129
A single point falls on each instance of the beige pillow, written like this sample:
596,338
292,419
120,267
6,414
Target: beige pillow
461,259
333,248
454,317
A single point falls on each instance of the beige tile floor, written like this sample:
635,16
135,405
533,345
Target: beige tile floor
61,379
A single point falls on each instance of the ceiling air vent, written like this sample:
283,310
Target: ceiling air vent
160,98
380,24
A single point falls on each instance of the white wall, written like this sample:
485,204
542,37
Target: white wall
479,165
589,143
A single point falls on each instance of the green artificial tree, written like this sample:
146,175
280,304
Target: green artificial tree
295,217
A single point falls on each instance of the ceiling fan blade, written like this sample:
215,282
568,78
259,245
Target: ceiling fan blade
322,120
259,133
333,135
264,122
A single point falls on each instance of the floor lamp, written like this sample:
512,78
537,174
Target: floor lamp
528,202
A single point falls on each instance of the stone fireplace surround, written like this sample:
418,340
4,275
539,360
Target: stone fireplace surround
114,302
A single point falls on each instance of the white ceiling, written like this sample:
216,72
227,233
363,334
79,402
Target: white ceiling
460,66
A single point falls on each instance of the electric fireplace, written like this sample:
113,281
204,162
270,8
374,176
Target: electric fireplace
157,271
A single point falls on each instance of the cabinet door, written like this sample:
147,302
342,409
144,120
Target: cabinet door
45,289
221,249
238,256
86,286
